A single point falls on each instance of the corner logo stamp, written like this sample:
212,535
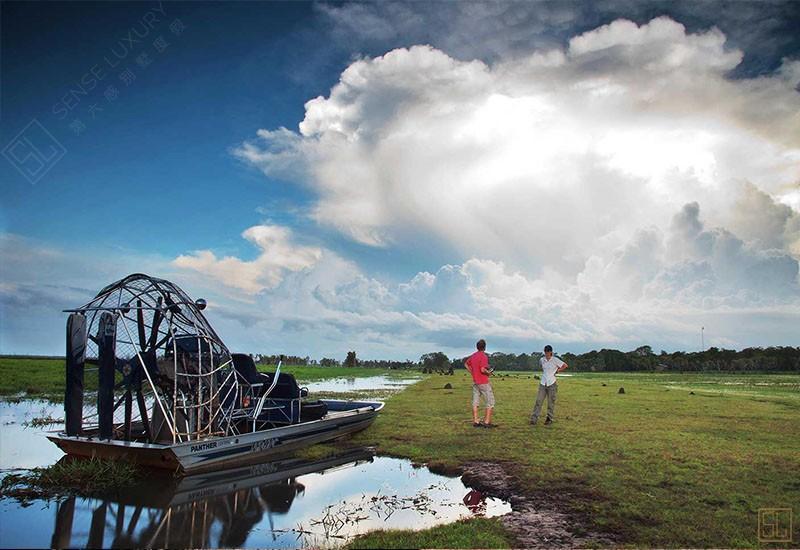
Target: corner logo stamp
775,525
34,151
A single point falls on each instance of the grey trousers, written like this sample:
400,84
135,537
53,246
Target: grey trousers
549,392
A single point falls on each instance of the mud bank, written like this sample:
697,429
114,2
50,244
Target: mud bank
536,521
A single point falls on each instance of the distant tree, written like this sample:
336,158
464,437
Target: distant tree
643,351
435,362
713,359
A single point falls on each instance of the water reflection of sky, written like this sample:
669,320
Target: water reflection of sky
358,384
22,447
239,514
253,510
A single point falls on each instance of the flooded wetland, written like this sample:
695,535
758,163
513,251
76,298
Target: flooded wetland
279,504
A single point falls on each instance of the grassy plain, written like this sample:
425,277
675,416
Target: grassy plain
33,377
675,461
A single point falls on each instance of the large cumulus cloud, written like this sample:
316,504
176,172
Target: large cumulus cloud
622,188
540,160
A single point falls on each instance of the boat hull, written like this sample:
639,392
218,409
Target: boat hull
223,452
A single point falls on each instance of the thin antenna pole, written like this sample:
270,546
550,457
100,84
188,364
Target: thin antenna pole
702,339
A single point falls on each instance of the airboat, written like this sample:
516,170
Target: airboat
170,395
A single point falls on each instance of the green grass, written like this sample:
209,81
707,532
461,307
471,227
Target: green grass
45,377
70,476
474,533
656,466
305,373
32,376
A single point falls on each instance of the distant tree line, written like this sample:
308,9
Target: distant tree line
642,359
351,360
774,359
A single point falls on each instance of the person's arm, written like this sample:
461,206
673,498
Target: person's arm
563,366
466,365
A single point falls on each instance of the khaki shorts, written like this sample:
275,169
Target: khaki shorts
484,390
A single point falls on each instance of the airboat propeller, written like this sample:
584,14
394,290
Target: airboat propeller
197,405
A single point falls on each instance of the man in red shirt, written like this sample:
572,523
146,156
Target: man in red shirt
478,366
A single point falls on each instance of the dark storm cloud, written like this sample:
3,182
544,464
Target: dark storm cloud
765,31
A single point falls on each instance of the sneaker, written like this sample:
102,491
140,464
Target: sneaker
490,425
477,424
548,422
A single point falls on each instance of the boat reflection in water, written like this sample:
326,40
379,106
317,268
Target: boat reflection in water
218,509
267,505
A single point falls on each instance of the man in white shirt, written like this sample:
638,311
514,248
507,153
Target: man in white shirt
551,365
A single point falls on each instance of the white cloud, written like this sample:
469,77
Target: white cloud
617,192
278,255
39,280
569,180
540,160
655,289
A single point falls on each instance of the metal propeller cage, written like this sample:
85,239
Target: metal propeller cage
166,353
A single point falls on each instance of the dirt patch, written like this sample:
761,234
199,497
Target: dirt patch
536,521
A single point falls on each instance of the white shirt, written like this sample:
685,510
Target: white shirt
549,369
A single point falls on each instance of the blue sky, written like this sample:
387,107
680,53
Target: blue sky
441,186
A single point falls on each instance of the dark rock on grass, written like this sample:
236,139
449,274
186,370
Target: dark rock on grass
621,390
604,384
691,393
536,376
448,386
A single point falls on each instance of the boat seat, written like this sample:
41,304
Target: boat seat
286,388
246,368
283,404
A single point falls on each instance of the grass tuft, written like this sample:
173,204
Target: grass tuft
86,477
471,533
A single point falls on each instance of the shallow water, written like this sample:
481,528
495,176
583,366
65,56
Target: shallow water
27,447
281,504
274,505
358,384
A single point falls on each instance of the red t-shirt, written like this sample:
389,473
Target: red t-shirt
477,361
